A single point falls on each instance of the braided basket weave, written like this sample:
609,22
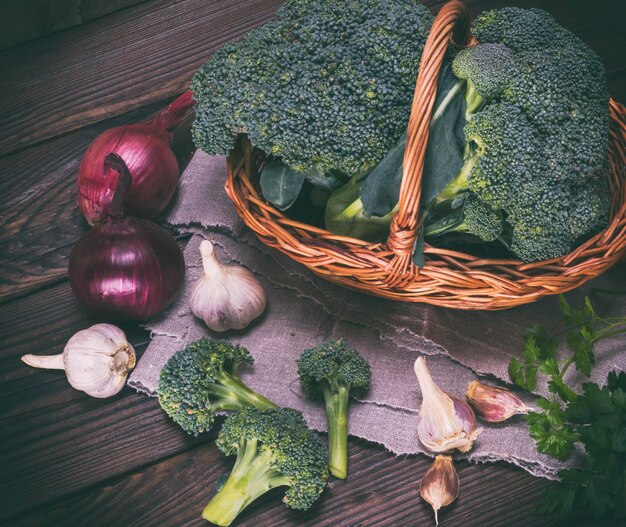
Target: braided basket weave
448,278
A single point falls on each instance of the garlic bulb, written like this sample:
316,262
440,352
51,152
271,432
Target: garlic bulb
96,360
226,296
494,404
444,423
440,485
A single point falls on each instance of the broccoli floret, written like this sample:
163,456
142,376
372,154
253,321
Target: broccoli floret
548,230
330,371
509,171
487,70
274,448
552,88
202,379
327,85
524,30
506,165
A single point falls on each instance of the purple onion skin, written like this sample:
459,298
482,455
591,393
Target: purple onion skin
127,268
151,162
145,149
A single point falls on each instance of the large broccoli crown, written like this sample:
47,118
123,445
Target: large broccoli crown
550,211
201,379
296,456
564,218
551,88
327,85
538,133
333,363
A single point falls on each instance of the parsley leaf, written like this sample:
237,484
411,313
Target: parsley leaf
550,431
596,418
582,343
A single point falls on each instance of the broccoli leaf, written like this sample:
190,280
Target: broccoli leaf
380,190
418,251
328,182
446,139
281,185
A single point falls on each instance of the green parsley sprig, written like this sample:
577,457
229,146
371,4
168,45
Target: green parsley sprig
596,417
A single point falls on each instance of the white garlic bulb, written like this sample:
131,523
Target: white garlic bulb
96,360
226,296
444,422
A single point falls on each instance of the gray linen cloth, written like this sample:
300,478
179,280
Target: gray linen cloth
303,310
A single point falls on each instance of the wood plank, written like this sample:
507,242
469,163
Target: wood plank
41,221
382,491
61,449
115,64
56,440
25,20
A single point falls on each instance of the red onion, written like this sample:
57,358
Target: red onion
127,267
145,148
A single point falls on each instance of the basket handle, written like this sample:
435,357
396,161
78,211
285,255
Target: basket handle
450,25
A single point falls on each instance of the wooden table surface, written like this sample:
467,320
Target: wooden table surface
70,460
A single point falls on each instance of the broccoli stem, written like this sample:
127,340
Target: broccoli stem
474,101
444,226
252,476
353,209
337,417
232,394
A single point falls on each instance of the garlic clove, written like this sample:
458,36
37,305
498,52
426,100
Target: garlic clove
96,360
494,404
440,485
226,296
444,422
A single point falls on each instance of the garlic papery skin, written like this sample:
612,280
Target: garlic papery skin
440,485
96,360
226,296
494,404
444,422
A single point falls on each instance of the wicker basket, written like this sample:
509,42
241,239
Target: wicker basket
448,278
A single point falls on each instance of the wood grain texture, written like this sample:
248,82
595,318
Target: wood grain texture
116,64
67,459
24,20
41,222
385,494
56,440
